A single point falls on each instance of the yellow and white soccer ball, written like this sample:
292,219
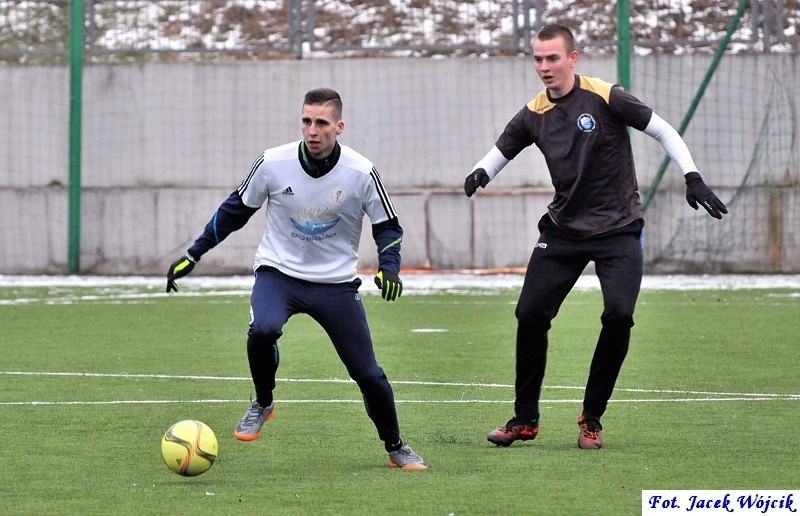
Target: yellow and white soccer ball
189,447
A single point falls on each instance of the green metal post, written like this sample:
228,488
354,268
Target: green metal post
76,50
624,44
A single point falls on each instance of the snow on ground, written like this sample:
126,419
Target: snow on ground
421,283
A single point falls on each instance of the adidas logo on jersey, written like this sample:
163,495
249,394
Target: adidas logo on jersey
287,191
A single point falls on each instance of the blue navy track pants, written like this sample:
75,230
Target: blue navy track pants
337,308
555,265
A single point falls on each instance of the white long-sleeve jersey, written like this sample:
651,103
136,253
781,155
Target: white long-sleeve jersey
313,225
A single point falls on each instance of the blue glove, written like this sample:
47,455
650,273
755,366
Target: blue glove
698,192
390,284
179,269
476,178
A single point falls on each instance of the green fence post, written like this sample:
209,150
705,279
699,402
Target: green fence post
624,44
75,118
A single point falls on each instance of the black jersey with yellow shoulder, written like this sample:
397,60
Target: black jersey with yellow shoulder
584,139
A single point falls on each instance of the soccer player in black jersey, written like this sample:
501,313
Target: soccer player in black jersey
580,124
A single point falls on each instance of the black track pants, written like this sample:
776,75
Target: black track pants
555,265
338,309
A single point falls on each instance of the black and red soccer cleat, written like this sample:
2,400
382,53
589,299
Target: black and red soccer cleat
589,437
517,429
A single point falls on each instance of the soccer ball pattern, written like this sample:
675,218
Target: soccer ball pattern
189,448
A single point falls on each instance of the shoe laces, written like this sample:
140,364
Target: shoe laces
255,412
405,451
591,428
518,422
409,455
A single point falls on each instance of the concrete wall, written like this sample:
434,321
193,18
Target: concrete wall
165,143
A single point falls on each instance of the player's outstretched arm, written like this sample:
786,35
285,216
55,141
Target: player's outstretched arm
698,193
231,216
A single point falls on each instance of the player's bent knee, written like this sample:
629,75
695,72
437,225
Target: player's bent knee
369,378
265,331
617,320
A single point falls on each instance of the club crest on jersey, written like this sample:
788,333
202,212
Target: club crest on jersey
314,221
586,123
337,195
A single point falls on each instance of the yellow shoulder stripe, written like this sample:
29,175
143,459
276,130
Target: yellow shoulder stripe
598,86
540,104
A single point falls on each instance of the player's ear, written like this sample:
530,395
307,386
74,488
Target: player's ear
339,127
573,58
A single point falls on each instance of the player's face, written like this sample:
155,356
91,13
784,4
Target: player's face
554,65
320,129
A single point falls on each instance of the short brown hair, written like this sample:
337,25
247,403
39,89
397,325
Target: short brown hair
321,96
556,30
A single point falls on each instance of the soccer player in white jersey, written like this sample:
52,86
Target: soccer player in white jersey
317,192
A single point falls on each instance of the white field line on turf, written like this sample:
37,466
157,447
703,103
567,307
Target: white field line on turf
716,396
360,401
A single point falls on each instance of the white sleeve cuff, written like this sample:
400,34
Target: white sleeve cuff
492,163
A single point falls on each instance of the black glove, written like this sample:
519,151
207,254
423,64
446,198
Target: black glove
390,284
476,178
698,192
179,269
